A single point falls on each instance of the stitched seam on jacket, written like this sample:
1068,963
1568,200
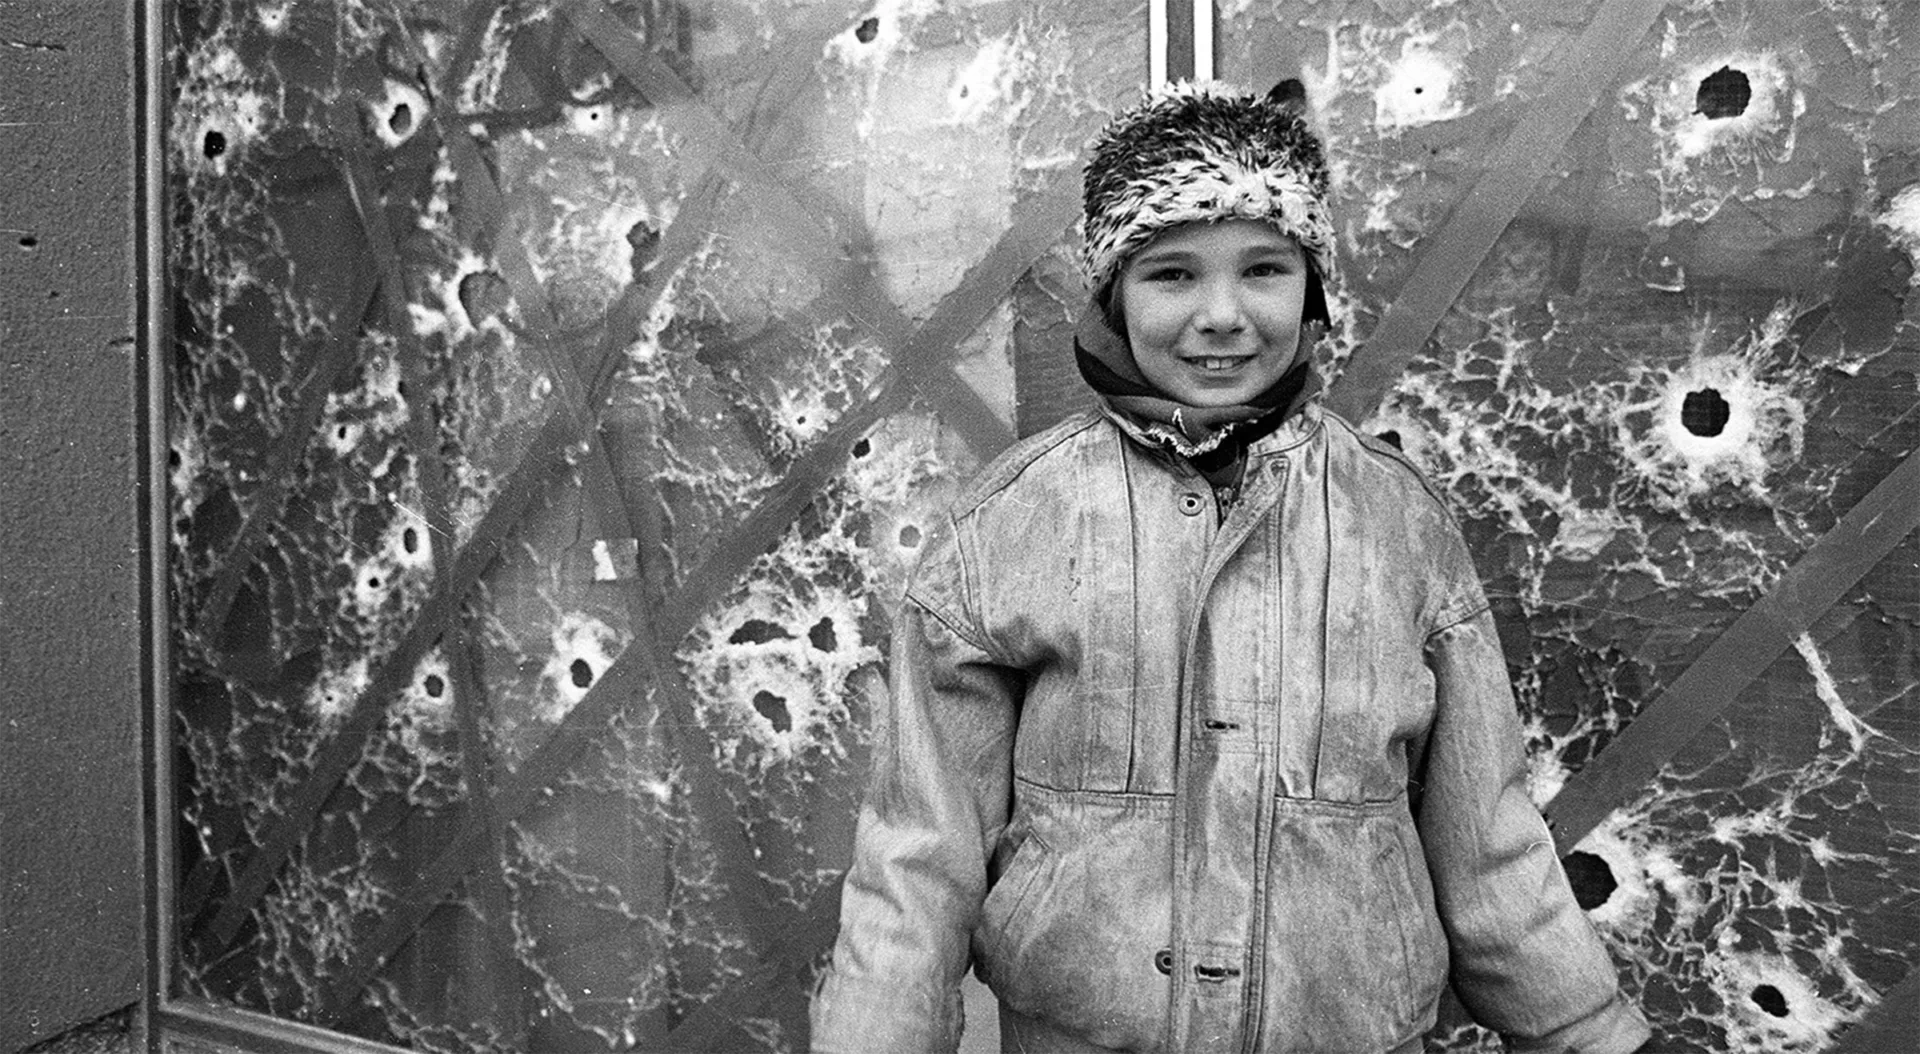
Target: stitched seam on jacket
1337,807
1467,608
1003,470
1100,795
1466,602
952,622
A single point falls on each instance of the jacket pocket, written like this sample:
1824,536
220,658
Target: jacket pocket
1071,934
1423,943
1002,914
1347,967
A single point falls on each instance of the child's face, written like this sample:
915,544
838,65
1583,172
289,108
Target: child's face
1213,309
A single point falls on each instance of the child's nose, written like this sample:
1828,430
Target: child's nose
1220,310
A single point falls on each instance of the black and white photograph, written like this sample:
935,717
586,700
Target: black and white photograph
960,526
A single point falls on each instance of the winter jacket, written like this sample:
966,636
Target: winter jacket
1173,782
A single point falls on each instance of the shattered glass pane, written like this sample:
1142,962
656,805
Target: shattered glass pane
562,391
561,394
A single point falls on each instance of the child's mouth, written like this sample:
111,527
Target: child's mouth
1217,364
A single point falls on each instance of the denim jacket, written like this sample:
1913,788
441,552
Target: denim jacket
1173,781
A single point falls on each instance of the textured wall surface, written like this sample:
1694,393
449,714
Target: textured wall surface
562,390
69,722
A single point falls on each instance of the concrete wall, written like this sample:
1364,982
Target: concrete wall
70,886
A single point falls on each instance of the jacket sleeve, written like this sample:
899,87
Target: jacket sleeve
934,809
1526,961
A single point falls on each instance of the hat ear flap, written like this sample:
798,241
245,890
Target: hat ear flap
1289,93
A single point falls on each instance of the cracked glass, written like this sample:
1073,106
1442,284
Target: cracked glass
560,394
1683,361
561,391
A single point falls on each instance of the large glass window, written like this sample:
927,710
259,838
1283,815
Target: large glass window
561,392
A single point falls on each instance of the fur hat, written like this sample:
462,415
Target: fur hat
1204,151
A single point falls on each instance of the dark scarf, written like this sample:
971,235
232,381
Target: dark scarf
1213,438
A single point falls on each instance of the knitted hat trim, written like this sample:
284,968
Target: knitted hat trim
1203,152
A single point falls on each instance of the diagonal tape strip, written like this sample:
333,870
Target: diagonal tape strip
1587,65
1817,581
283,461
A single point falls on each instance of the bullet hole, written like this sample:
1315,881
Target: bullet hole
822,636
1723,93
800,420
340,433
1592,880
580,673
774,709
29,242
1391,438
867,30
910,537
214,144
410,540
1705,412
963,91
435,686
400,122
483,295
174,460
861,448
1768,998
1417,91
758,631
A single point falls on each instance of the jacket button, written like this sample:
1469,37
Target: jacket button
1191,503
1163,961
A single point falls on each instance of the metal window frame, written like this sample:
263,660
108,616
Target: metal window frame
147,32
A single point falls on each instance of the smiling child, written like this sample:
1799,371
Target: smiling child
1200,737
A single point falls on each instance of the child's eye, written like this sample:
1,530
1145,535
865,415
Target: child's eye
1167,274
1267,269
